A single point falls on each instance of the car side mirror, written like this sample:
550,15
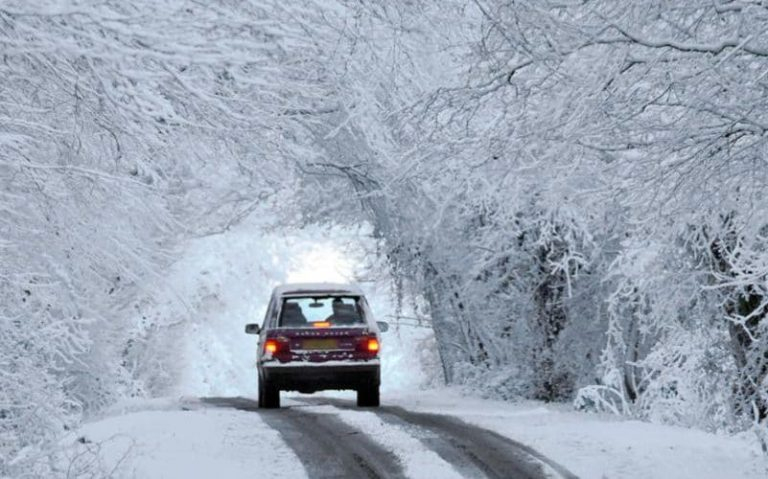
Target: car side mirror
383,326
252,328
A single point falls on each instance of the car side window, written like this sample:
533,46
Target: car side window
273,313
270,314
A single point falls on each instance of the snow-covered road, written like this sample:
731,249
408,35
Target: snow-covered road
332,438
433,434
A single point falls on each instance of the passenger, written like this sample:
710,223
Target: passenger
343,313
337,306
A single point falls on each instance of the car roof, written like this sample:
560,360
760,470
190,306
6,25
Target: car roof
324,288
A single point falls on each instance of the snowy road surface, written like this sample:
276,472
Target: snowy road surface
426,434
333,438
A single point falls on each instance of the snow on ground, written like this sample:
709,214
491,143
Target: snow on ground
164,441
596,446
197,443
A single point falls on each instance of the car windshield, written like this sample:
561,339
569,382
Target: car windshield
316,311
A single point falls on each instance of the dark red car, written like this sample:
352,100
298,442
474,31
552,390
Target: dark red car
316,337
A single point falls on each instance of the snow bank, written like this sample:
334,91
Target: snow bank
198,443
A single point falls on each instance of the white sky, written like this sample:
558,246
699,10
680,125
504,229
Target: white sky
322,263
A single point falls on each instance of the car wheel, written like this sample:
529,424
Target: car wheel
269,396
368,396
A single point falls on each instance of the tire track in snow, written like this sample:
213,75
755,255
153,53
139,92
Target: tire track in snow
419,460
473,451
326,445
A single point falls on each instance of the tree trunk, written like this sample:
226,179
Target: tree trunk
749,343
550,318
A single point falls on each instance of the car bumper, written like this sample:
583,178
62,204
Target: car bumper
311,377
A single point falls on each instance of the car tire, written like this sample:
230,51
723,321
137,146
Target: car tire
269,396
368,396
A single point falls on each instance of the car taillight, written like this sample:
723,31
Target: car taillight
271,346
277,346
368,345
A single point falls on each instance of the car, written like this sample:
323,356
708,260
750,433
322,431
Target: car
317,337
